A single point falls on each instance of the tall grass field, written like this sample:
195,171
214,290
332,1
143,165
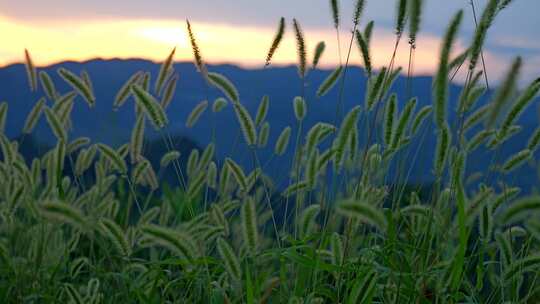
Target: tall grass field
87,222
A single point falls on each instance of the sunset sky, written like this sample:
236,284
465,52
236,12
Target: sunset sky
240,31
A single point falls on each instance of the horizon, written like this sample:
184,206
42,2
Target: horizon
85,31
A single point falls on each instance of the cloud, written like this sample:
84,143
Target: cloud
239,31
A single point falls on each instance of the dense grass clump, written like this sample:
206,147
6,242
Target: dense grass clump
83,224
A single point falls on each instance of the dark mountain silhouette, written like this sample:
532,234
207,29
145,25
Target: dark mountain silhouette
281,84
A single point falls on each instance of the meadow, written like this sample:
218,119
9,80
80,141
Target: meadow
87,222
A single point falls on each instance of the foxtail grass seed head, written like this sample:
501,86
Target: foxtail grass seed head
196,113
3,116
113,157
363,46
262,111
481,32
250,234
345,132
263,135
151,107
78,85
403,123
30,71
224,85
363,212
33,116
193,163
199,63
169,157
319,51
307,219
374,89
503,93
300,48
516,160
440,95
211,175
55,124
137,140
400,18
87,80
442,149
334,5
528,95
329,82
246,124
415,13
48,85
116,235
77,144
237,172
219,104
63,212
358,9
336,244
283,141
389,119
125,91
299,108
520,209
144,82
164,70
177,242
230,259
206,157
276,41
169,90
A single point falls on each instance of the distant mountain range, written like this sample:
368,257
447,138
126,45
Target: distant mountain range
281,84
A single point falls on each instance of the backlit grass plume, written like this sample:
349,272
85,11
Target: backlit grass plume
246,124
363,46
224,85
79,85
358,9
151,107
415,13
481,32
503,93
125,90
334,5
528,95
48,85
30,70
440,95
362,212
345,131
164,71
401,14
300,48
329,82
283,141
177,242
199,63
33,116
3,115
137,140
262,111
319,50
276,41
232,263
196,113
249,226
